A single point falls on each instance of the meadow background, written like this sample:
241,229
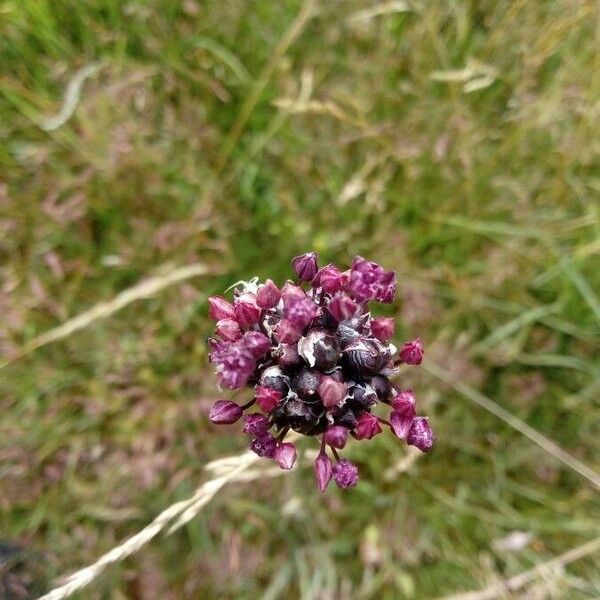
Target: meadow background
456,142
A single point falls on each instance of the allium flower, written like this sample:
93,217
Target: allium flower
317,362
345,474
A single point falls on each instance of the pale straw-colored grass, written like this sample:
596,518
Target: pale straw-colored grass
231,469
550,569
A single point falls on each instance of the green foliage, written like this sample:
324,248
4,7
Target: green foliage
456,142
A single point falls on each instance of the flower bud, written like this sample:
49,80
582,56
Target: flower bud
367,426
401,418
305,266
330,279
287,332
364,356
267,398
320,349
412,352
420,434
291,289
383,328
255,424
306,384
332,392
345,474
403,398
264,446
247,312
342,307
228,329
299,310
219,309
285,455
387,288
323,471
225,412
257,343
268,295
336,436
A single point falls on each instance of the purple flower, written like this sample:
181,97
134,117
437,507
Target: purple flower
225,412
287,332
267,398
401,418
323,471
367,426
268,295
387,288
332,392
247,312
365,279
228,329
264,445
336,436
219,308
382,328
255,424
305,266
330,279
345,474
342,307
412,352
235,364
299,310
402,399
257,343
291,289
285,455
420,434
317,361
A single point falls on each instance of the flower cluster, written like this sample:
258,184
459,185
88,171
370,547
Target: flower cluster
317,361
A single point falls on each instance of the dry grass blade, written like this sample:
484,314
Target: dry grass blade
535,436
72,95
102,310
183,511
507,586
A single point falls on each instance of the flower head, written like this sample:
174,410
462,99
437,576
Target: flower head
316,362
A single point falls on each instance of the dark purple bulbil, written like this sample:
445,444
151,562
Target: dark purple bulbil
318,363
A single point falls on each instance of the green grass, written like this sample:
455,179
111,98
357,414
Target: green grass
197,140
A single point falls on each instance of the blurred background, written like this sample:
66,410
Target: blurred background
455,142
